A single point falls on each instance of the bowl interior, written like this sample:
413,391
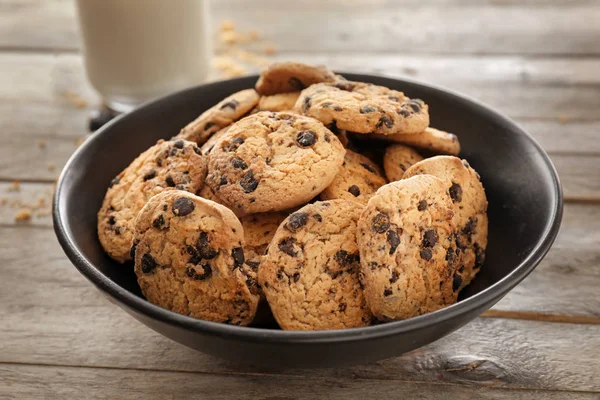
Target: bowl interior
521,185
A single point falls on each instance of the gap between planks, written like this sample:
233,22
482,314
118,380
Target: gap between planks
542,317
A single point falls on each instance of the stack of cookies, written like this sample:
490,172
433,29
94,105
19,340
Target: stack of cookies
331,203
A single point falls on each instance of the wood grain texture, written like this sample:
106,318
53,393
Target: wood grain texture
378,26
25,381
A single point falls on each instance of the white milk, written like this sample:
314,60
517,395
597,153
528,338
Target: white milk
136,50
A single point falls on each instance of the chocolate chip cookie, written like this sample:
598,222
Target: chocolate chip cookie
310,271
406,248
288,77
189,255
470,211
363,108
227,111
432,139
212,141
278,102
273,161
358,179
397,159
259,229
168,165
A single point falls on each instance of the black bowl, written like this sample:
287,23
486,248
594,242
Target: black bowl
525,209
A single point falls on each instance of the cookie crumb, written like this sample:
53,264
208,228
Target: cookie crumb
51,167
78,141
270,50
42,144
253,34
229,37
24,214
3,201
75,99
563,119
227,25
14,186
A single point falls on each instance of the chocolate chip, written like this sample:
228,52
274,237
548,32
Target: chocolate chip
354,190
199,272
460,244
380,223
287,246
479,255
327,137
426,254
158,222
394,277
173,151
402,167
112,220
306,104
385,121
342,307
238,163
223,180
387,292
456,282
132,250
148,263
455,192
235,143
179,144
208,125
182,206
118,230
470,227
337,108
238,257
466,164
165,207
205,250
415,106
150,174
393,239
197,150
430,238
368,167
367,109
296,84
296,221
306,138
115,181
248,183
346,259
318,217
280,274
326,105
253,264
296,276
230,104
169,181
450,256
405,113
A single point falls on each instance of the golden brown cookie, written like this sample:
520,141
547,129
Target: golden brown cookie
167,165
273,161
227,111
397,159
432,139
363,108
310,272
470,211
358,179
285,77
404,240
189,255
278,102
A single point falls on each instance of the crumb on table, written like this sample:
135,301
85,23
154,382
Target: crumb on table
227,25
270,50
42,144
51,167
14,186
24,214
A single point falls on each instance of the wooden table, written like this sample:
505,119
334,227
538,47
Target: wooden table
538,61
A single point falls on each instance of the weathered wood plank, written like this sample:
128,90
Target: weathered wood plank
29,381
381,26
52,315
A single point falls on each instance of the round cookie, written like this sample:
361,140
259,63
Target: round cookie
363,108
273,161
285,77
431,139
212,141
310,273
259,229
407,257
167,165
397,159
278,102
470,210
227,111
358,179
188,258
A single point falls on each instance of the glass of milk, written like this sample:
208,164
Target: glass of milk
136,50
